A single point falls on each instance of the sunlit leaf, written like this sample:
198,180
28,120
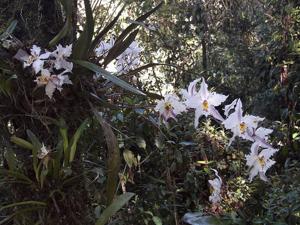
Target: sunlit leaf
109,76
114,207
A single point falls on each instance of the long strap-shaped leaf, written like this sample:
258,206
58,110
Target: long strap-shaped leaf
113,162
106,29
67,5
83,44
119,48
109,76
117,204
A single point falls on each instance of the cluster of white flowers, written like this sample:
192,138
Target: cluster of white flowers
128,60
243,126
51,68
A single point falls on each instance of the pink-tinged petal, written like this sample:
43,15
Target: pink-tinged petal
263,132
253,172
198,114
45,55
254,148
35,50
231,121
268,153
263,176
216,99
252,121
239,110
38,65
229,107
204,90
50,88
213,112
262,142
194,102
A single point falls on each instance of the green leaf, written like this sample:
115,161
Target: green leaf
23,203
10,29
113,159
63,130
75,138
36,148
107,75
11,159
113,208
21,142
83,44
16,175
156,220
68,8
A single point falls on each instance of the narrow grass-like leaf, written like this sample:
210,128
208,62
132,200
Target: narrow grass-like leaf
83,44
36,148
16,175
10,29
114,207
11,159
113,159
23,203
97,69
75,138
21,142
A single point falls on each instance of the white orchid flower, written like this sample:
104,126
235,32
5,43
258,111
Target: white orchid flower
241,126
61,54
52,82
191,91
215,185
43,152
104,47
259,163
205,102
260,136
169,107
36,59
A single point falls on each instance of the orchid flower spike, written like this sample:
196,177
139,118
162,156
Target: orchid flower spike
240,125
169,107
215,185
36,59
259,162
205,102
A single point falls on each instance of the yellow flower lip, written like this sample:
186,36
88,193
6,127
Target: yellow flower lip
168,106
205,105
243,127
43,79
261,161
